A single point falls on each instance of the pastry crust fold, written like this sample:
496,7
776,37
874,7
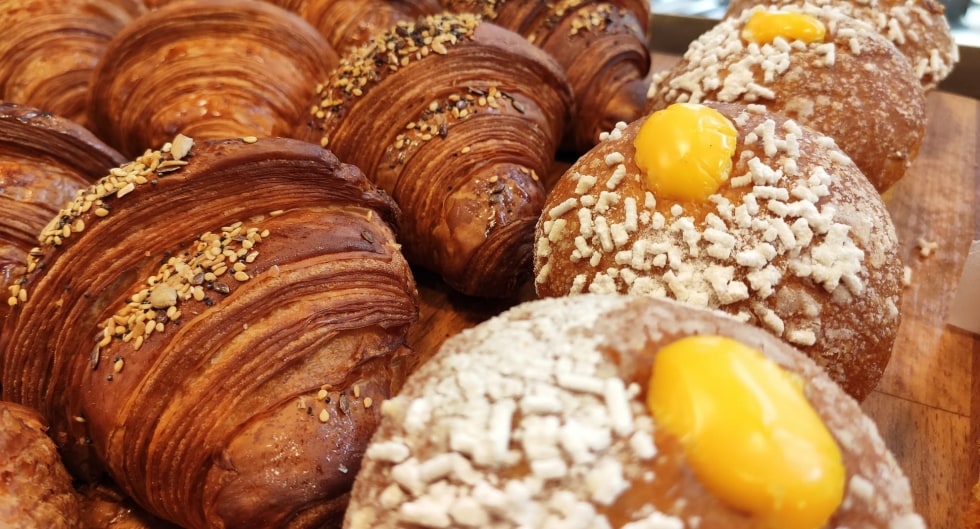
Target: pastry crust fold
227,347
458,120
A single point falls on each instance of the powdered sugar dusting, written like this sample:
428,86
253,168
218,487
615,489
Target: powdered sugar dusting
519,392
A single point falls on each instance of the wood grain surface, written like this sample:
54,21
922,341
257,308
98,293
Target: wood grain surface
927,404
927,407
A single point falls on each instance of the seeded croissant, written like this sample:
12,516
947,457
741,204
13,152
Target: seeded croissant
602,47
218,332
457,120
49,49
349,23
44,160
208,69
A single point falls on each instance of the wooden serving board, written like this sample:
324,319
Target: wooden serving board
927,407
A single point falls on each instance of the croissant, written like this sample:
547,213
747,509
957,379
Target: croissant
211,324
349,23
36,490
457,120
602,47
917,27
49,49
44,160
208,69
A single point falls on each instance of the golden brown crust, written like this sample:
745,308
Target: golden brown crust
44,160
797,242
48,50
350,23
918,28
456,119
602,47
855,87
209,69
36,490
537,418
202,337
104,506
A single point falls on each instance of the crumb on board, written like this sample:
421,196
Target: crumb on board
927,248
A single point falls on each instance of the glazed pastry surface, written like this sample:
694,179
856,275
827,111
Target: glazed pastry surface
212,69
48,50
252,306
602,47
458,120
44,160
36,490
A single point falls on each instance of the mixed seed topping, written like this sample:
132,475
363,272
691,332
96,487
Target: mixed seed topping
119,182
486,8
96,198
327,398
595,19
208,266
436,120
390,51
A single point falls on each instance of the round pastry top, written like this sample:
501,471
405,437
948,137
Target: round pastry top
536,418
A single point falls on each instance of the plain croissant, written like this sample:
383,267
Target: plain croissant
48,50
207,69
212,325
458,120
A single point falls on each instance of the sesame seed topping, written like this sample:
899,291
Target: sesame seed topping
439,116
595,19
388,52
182,277
120,182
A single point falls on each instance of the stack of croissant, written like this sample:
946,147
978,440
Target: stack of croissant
218,208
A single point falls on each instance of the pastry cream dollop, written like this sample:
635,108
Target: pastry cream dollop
763,27
685,151
748,431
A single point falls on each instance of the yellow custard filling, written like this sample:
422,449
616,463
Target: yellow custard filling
748,431
763,27
685,151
